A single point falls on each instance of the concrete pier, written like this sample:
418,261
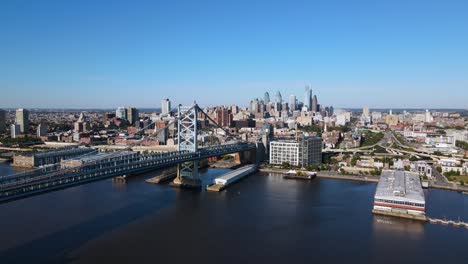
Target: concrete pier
229,178
164,177
401,215
186,183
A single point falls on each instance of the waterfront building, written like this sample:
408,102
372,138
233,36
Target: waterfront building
166,107
22,119
304,151
399,193
2,121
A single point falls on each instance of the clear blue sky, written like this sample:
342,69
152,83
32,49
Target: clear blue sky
397,53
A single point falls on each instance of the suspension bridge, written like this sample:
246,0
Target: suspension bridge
93,167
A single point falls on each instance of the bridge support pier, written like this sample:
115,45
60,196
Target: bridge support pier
187,175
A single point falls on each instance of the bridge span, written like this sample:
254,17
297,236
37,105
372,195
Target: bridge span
104,166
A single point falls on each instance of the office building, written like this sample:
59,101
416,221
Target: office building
308,98
315,104
365,111
132,115
15,130
266,98
2,121
292,103
42,129
165,107
121,113
278,98
22,119
302,152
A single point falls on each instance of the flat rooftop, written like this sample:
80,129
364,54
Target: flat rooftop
400,186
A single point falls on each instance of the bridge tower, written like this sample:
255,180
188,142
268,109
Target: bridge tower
187,173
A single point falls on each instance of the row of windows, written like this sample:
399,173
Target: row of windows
399,202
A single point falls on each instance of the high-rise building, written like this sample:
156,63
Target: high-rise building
2,121
42,129
166,107
304,151
223,117
15,130
132,115
365,111
22,119
121,113
308,98
81,125
292,103
278,98
266,98
314,104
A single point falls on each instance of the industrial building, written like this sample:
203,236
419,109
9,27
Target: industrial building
399,193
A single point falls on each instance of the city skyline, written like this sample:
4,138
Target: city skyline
353,54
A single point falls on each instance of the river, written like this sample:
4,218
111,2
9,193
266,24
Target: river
263,218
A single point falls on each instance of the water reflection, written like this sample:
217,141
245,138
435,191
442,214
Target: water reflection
398,226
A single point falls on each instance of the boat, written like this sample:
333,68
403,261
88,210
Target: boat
304,175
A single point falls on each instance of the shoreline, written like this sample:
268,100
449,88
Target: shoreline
365,178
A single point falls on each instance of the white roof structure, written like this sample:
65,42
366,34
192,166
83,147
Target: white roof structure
397,185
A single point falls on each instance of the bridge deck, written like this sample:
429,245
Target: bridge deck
20,186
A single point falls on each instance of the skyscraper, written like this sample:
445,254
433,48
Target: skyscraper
2,121
365,111
292,103
165,107
266,98
42,129
308,98
132,115
314,104
121,113
22,119
278,97
15,130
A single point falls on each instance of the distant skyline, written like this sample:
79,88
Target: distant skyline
104,54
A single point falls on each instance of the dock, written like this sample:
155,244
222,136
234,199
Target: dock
229,178
447,222
164,177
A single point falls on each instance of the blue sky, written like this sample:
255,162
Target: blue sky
399,54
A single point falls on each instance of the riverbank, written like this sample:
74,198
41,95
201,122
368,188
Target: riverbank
329,175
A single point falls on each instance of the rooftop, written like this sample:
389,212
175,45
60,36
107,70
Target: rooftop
400,186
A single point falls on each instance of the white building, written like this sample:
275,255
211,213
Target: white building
305,151
165,107
15,130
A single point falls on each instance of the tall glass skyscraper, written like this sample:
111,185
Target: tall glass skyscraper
308,97
278,98
292,102
22,119
266,98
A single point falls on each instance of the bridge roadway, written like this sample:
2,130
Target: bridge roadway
122,163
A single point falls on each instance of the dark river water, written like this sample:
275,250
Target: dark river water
262,219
